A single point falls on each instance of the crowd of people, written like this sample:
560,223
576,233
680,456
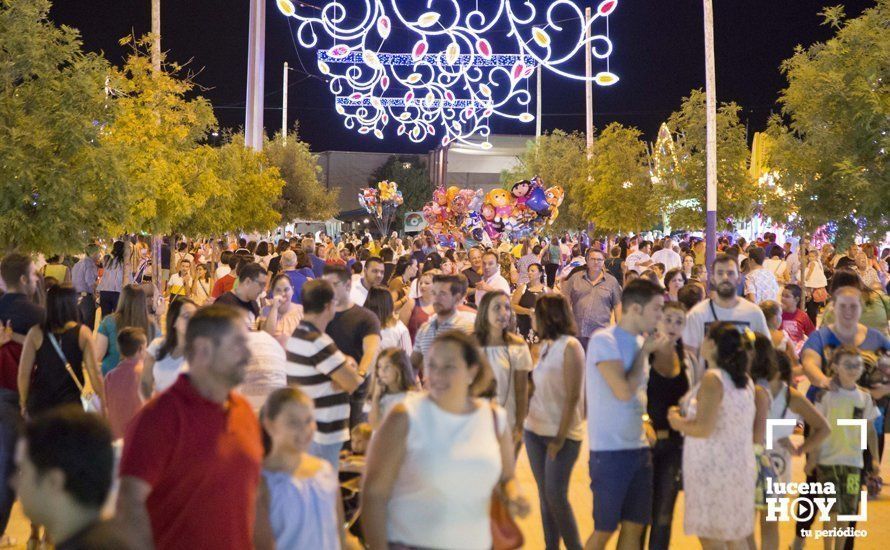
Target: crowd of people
234,401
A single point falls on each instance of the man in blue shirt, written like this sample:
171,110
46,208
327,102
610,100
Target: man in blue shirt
620,458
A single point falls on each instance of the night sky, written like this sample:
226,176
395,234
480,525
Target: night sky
658,53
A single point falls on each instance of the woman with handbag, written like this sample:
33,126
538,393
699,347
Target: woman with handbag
58,364
440,470
508,355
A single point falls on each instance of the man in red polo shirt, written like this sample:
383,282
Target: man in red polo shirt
191,459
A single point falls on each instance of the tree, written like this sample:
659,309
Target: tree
247,187
167,171
620,185
682,197
55,193
303,196
414,182
559,159
831,147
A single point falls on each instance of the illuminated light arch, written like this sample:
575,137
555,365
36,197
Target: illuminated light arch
452,80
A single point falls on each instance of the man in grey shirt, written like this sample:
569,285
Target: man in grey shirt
84,276
725,305
594,295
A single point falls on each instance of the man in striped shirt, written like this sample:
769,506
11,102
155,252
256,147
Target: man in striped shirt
449,292
322,371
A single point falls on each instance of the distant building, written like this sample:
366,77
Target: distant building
455,164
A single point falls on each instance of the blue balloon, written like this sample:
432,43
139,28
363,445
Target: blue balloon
537,200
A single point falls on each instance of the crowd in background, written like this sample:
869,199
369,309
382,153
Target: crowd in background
258,380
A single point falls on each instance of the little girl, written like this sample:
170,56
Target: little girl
393,379
298,504
772,311
789,404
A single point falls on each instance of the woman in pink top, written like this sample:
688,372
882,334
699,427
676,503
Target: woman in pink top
122,382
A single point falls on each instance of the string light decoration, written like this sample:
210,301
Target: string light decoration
451,81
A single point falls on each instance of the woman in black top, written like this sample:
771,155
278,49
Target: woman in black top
43,380
523,301
671,377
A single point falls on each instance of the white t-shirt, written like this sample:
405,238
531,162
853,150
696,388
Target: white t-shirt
498,282
669,258
396,336
506,361
744,315
266,371
166,370
636,258
358,293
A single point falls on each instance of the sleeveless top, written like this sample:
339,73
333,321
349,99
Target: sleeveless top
303,511
51,385
452,463
418,318
663,393
545,407
524,322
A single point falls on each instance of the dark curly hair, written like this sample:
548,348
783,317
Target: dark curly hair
733,351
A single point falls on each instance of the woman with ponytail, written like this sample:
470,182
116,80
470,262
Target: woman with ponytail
718,453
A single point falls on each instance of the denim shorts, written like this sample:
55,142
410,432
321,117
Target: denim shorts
621,482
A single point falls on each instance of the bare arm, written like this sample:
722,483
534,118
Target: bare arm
573,375
100,346
90,365
517,296
812,368
819,428
761,412
709,397
346,378
624,385
405,313
147,379
385,456
263,537
370,347
132,514
26,364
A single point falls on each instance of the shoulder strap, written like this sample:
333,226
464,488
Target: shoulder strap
58,348
787,400
713,311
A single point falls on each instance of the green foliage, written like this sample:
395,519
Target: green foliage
682,196
246,188
157,133
53,183
831,146
559,159
620,183
413,179
303,196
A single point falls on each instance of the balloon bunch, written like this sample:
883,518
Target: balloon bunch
382,202
475,217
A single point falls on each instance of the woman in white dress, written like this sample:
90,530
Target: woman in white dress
165,359
718,454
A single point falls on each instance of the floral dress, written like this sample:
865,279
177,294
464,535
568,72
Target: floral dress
719,473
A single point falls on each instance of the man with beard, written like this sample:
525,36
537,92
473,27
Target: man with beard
725,305
191,461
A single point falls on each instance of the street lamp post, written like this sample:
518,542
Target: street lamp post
711,109
256,64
